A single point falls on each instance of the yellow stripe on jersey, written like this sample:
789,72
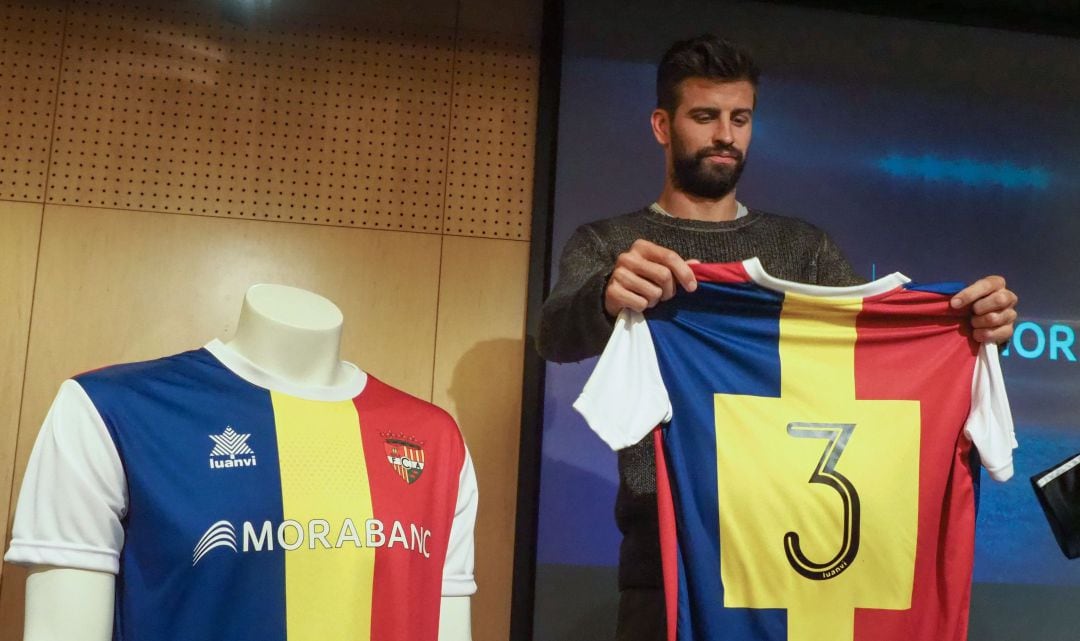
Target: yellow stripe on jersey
818,492
324,481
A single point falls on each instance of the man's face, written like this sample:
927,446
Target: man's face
709,135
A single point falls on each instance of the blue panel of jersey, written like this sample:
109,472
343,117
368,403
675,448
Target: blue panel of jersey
160,415
945,289
741,322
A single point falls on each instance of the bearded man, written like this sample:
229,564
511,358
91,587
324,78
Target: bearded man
706,93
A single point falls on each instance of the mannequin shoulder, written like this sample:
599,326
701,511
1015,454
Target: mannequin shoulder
400,405
129,375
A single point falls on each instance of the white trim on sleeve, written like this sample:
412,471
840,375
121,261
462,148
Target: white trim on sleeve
74,492
989,425
625,396
458,573
1057,472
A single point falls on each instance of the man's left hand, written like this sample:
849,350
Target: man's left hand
993,309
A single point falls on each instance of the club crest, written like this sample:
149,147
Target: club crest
406,456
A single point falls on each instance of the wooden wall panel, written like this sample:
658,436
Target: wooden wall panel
478,369
384,15
492,134
174,112
30,42
19,226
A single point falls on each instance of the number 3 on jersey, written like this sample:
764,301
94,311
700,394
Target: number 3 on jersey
825,473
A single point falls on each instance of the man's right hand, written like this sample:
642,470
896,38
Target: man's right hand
643,276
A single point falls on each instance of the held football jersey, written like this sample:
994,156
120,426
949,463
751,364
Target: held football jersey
815,474
233,505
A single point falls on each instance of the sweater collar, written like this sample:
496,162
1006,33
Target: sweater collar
740,210
654,216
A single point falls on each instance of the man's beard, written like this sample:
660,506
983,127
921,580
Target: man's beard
694,174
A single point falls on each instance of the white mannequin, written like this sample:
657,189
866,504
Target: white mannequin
289,332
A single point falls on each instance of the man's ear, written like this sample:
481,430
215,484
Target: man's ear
661,126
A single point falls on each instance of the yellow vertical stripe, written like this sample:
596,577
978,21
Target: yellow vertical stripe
324,481
817,356
817,348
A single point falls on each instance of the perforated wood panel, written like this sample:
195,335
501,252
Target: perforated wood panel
518,19
30,44
384,15
489,188
180,113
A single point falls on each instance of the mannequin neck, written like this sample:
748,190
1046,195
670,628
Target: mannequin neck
291,333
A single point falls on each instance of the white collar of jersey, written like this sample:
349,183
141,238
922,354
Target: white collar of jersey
880,286
252,373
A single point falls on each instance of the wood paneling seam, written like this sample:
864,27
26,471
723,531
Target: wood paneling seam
52,135
12,499
446,174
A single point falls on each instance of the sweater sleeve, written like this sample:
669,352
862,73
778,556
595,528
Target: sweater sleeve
573,323
831,268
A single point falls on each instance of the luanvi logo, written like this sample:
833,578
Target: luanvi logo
231,450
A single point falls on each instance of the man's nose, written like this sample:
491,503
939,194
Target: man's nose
723,133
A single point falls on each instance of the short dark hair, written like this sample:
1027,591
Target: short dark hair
706,56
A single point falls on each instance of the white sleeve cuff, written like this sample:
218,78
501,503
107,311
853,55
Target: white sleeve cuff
31,553
1003,473
458,586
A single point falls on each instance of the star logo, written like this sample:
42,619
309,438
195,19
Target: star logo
231,444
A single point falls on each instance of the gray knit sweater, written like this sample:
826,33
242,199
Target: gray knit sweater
574,326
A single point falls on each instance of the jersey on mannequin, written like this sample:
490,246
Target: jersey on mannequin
292,336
